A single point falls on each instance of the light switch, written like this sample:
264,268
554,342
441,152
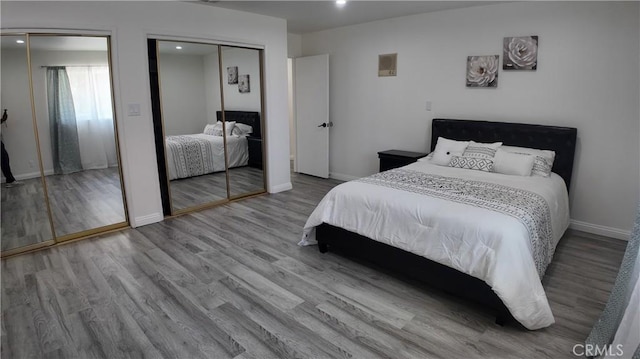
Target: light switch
428,106
134,109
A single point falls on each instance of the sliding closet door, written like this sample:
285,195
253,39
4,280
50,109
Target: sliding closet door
189,93
25,219
243,108
71,79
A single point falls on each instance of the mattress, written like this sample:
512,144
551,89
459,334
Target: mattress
199,154
501,229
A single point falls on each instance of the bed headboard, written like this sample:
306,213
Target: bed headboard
562,140
250,118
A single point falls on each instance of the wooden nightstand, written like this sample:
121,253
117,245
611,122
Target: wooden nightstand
255,151
395,158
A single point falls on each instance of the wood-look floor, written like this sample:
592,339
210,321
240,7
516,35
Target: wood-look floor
79,201
230,282
194,191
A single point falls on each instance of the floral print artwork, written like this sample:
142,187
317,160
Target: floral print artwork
482,71
520,53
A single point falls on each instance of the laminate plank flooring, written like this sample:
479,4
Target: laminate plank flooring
193,191
230,282
79,201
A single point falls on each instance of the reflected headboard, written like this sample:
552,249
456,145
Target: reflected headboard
562,140
250,118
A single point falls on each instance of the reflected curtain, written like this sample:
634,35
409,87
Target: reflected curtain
619,324
65,148
91,89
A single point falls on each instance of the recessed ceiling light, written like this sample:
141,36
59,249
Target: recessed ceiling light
20,41
341,2
179,47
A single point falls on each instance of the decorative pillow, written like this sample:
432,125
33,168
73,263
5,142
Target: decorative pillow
517,164
542,163
209,129
472,163
446,149
244,128
229,126
481,150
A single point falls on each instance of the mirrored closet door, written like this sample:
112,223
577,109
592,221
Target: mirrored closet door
74,110
207,121
25,218
243,109
61,140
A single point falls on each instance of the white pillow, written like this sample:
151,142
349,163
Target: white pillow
229,126
209,129
481,150
446,149
516,164
542,163
246,129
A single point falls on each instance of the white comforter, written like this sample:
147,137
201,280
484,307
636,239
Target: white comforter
237,149
483,243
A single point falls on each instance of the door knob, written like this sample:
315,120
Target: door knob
324,124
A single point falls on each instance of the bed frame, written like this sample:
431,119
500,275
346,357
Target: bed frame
562,140
250,118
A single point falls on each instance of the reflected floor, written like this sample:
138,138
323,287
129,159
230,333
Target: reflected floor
79,201
24,218
193,191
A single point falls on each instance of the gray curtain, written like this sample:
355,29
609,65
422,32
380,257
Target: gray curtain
605,328
62,120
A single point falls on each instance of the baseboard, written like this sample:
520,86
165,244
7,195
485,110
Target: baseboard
280,188
600,230
148,219
342,177
26,176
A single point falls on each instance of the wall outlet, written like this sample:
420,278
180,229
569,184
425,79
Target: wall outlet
428,106
134,109
31,164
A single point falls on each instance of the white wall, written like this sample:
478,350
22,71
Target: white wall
212,86
130,24
182,87
587,78
248,63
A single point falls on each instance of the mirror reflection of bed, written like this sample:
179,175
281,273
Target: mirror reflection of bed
199,142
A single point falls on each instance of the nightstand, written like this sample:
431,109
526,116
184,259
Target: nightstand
395,158
255,151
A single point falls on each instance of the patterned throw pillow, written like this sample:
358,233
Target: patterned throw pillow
472,163
542,166
481,150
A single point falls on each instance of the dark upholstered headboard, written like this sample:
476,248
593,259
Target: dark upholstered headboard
562,140
250,118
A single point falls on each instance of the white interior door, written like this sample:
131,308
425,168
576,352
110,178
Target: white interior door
312,114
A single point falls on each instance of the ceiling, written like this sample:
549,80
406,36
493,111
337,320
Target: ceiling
310,16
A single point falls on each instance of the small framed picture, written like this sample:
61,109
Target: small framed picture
482,71
232,75
243,84
520,53
387,65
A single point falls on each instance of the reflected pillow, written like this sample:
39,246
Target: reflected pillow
244,128
229,126
209,130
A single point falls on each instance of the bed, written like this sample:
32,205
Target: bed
446,234
200,154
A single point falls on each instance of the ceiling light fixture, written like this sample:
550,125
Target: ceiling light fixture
179,47
20,41
341,2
